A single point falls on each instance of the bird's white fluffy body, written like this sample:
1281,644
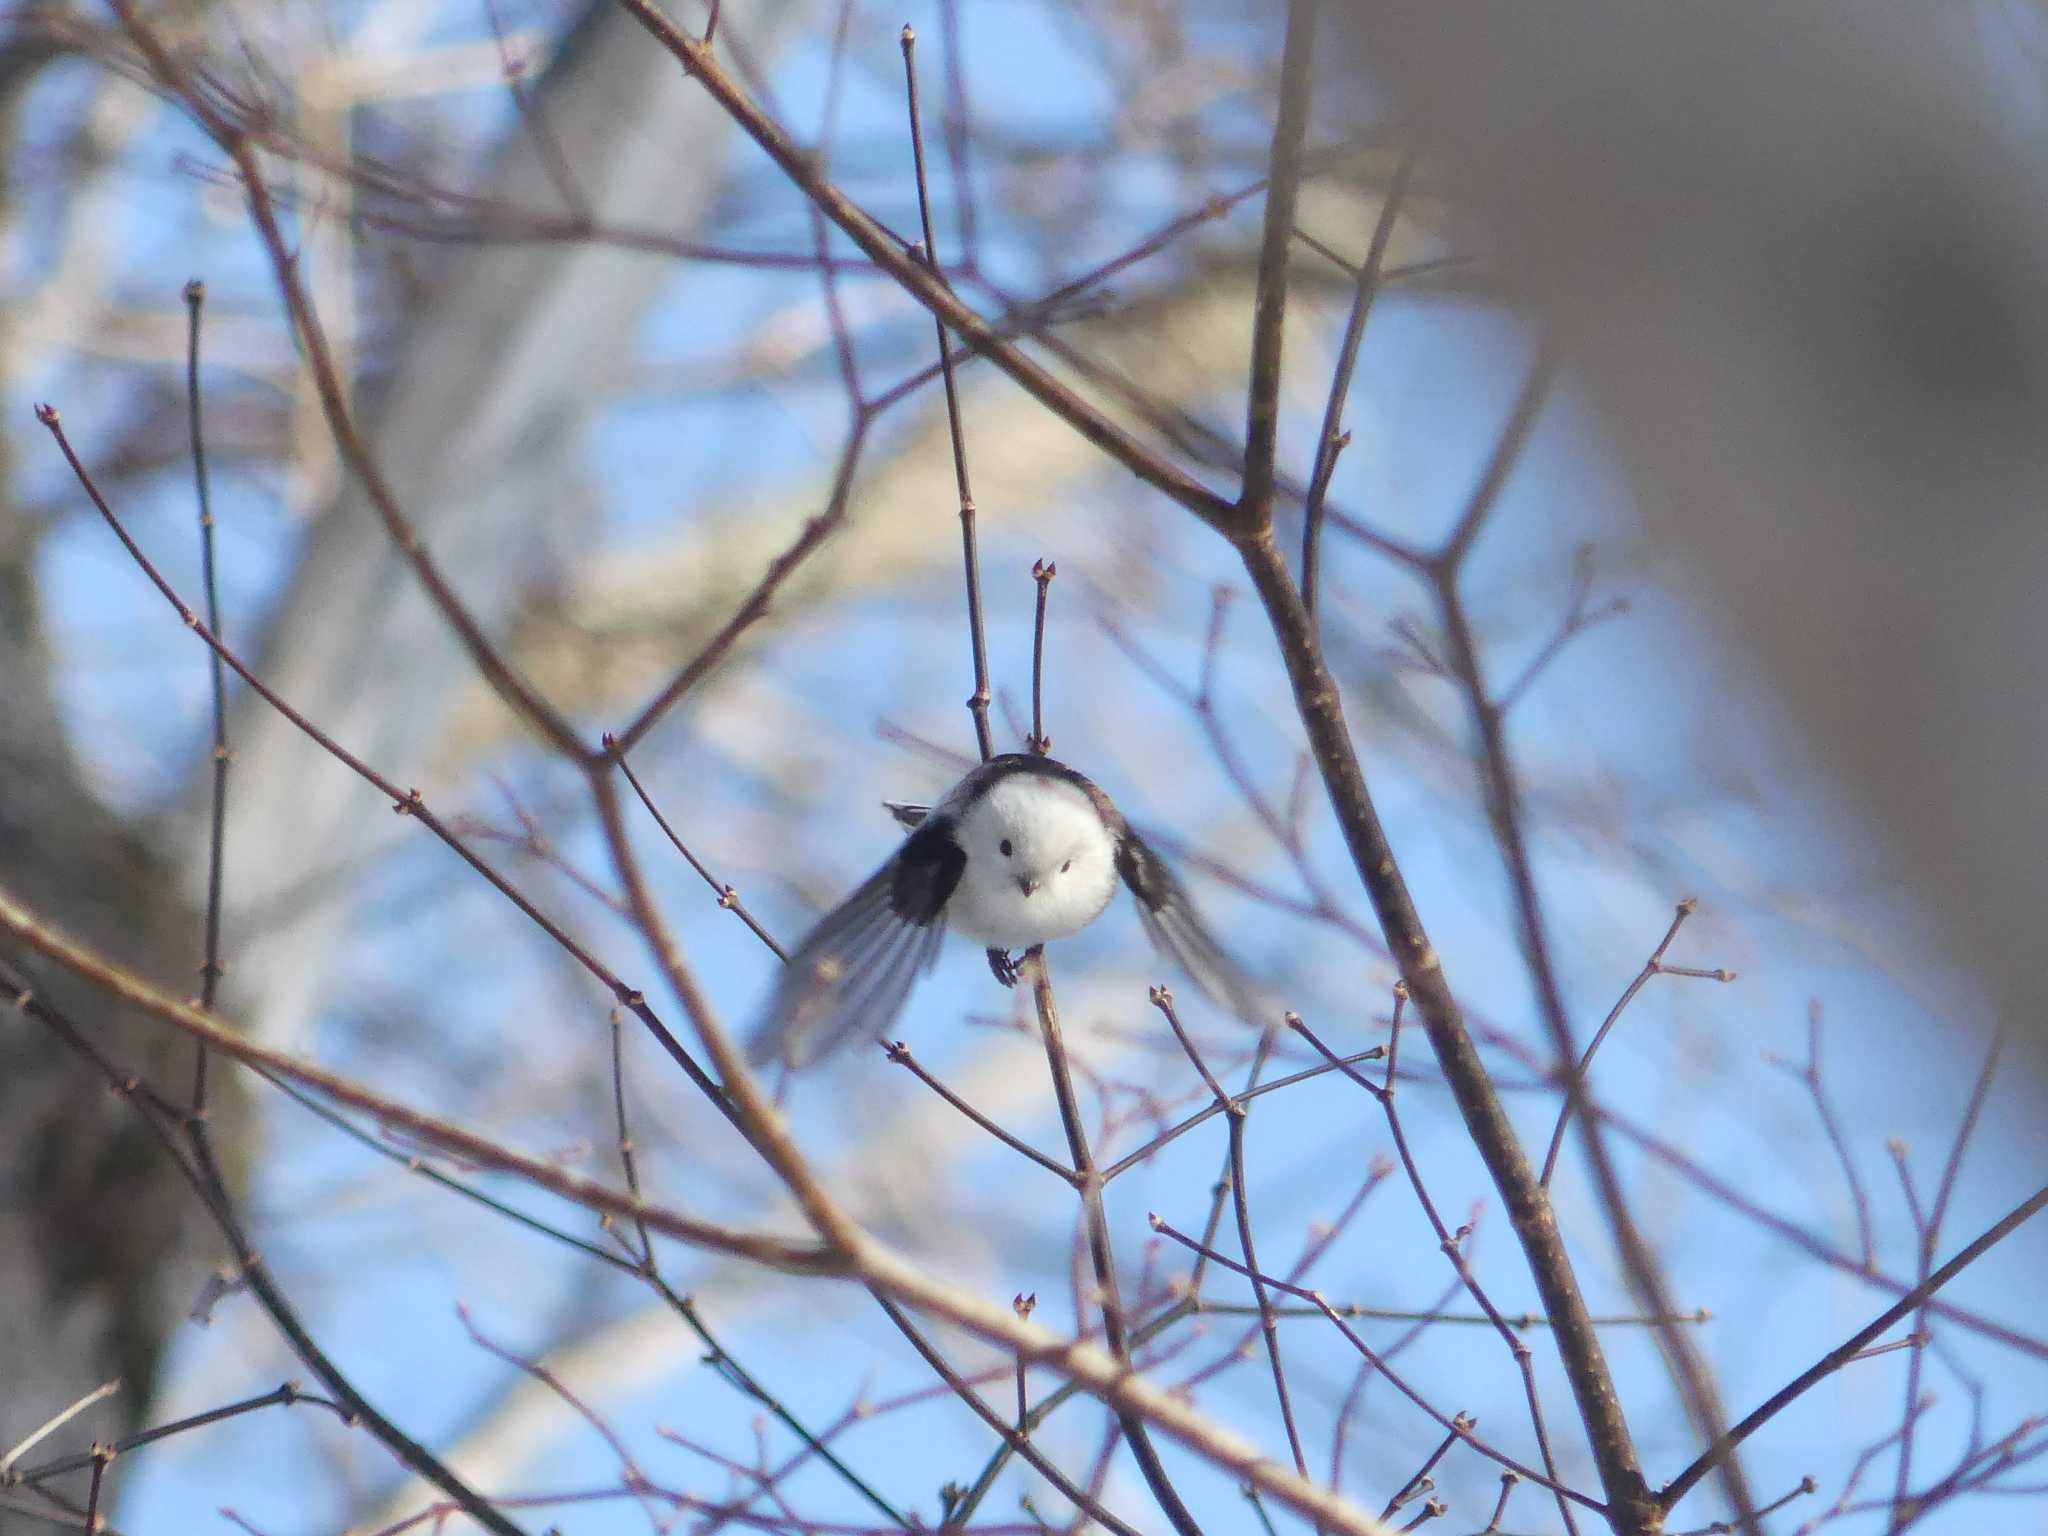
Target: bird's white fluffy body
1040,864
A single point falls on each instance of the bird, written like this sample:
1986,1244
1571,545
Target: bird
1022,851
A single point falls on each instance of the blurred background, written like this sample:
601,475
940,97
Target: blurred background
1769,561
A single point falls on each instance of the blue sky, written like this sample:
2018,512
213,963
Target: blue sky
1654,770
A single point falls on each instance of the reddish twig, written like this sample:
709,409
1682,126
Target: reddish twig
1575,1089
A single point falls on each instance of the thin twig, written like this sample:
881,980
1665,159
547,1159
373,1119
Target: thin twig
957,130
1234,1111
629,1162
1521,1321
1208,1112
728,897
1929,1234
742,1380
1507,452
1420,1481
210,966
1024,1305
1100,1254
1449,1242
1500,1508
1042,572
1579,617
1014,1440
1852,1346
1575,1090
977,702
1329,441
101,1455
51,1425
1809,1073
900,1054
1379,1363
406,802
286,1396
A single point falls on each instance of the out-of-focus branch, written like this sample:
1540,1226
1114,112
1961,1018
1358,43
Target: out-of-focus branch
1269,304
1503,808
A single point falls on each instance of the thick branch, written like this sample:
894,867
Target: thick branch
1631,1506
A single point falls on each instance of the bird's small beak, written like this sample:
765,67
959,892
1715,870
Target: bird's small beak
1027,886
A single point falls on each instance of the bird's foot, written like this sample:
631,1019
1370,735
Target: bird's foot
1003,966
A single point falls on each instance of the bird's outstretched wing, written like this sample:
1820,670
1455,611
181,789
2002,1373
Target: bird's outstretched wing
1177,931
851,973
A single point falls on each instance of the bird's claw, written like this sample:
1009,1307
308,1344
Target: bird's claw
1004,968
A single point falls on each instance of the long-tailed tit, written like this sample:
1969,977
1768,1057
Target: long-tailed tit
1021,851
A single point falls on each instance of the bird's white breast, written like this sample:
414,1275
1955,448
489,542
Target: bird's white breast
1057,838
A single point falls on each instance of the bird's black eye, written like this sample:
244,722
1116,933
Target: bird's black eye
1005,846
1066,866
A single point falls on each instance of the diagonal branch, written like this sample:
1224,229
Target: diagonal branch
1852,1346
1320,706
850,1252
920,282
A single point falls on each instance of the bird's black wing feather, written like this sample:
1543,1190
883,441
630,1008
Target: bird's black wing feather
1177,930
852,972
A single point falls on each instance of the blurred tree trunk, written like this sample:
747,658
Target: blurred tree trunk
101,1246
1793,257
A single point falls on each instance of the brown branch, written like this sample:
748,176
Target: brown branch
1269,302
919,282
209,1029
1101,1256
1042,572
1321,708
